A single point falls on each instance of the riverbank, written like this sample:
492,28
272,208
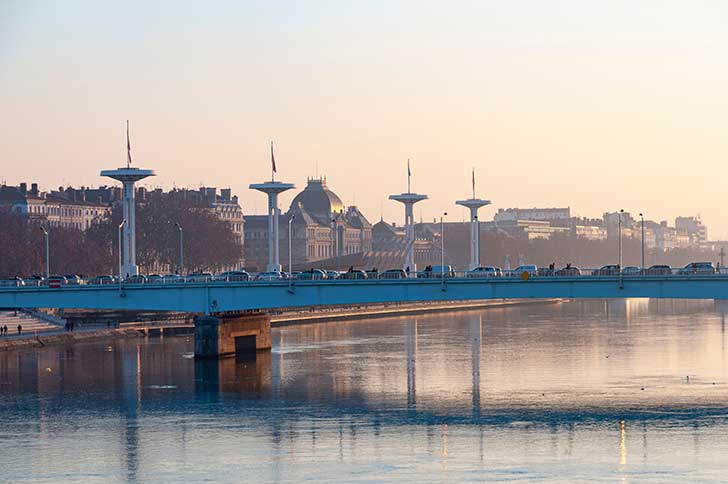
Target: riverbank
179,325
40,340
386,311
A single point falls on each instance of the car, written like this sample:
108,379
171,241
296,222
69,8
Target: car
354,274
389,274
631,271
104,279
12,281
73,279
172,278
608,270
55,281
269,276
34,280
155,279
531,269
484,271
200,277
659,270
138,279
332,274
695,268
568,270
233,276
437,271
311,275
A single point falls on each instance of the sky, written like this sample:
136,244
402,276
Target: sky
594,105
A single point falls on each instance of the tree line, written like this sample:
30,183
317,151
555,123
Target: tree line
209,243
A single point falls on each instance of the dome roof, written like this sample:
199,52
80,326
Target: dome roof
317,199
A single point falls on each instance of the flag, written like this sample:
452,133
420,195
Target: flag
128,145
272,158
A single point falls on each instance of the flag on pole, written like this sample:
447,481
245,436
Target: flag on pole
128,145
272,158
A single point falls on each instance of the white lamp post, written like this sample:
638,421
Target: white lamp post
442,248
181,250
47,261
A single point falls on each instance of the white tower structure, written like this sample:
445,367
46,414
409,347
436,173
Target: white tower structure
474,204
128,177
408,200
272,189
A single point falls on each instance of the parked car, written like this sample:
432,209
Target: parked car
659,270
269,276
312,275
569,270
518,271
233,276
608,270
355,274
484,271
389,274
104,279
631,271
698,268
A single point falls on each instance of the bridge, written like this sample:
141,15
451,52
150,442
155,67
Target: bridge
222,329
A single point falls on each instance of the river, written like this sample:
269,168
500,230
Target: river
585,391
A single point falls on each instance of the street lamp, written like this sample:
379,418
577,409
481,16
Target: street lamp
290,252
642,220
181,249
442,248
619,267
121,226
619,229
47,262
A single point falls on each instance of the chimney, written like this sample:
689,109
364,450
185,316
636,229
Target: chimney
225,194
34,189
23,188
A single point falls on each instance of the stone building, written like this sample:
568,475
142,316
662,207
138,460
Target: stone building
321,228
67,208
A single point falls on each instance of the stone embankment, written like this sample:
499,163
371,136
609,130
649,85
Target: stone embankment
176,323
35,340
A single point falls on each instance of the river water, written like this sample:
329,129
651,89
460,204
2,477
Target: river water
588,391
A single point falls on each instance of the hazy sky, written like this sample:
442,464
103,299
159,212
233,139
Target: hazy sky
598,105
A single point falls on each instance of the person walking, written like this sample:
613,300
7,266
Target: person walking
5,329
20,329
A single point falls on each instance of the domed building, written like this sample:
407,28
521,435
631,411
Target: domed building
322,228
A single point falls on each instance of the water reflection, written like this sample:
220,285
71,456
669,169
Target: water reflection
504,391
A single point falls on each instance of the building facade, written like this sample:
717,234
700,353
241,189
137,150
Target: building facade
321,228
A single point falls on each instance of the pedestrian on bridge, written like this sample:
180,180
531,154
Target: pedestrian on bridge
20,328
5,329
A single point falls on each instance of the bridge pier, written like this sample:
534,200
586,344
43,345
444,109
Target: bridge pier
224,335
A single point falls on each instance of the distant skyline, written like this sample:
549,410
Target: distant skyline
593,105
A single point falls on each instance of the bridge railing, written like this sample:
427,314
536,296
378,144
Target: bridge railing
334,277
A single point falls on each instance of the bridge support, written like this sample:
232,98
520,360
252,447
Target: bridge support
224,335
